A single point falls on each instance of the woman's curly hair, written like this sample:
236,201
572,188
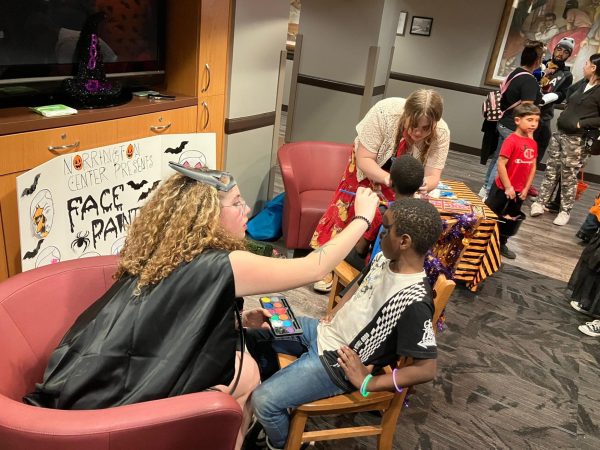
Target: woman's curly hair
178,223
422,103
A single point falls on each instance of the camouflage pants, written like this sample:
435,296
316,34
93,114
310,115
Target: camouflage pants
566,155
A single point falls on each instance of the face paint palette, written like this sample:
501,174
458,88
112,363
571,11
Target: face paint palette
283,322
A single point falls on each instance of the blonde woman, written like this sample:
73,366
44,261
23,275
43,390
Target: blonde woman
167,326
394,126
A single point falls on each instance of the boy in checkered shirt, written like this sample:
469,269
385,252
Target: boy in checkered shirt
390,315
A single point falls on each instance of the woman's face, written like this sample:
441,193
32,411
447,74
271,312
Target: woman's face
234,212
421,131
588,69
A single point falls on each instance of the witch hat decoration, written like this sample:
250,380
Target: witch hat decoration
90,88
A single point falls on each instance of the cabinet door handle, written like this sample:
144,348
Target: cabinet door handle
207,115
56,148
159,128
207,70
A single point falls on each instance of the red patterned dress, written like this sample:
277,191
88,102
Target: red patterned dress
341,209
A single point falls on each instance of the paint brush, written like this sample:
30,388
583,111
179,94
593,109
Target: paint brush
381,202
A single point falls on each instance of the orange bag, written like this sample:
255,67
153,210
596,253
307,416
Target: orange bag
581,187
595,210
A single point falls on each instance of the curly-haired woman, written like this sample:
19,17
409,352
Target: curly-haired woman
167,326
393,127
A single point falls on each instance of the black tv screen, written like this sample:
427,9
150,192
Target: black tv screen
38,39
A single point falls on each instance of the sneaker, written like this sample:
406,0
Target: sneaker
507,252
537,209
561,219
324,285
584,237
591,328
483,193
579,307
552,207
533,192
303,446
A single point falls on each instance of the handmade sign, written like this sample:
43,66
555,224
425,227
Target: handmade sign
80,204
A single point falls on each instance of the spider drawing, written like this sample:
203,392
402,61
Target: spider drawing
82,240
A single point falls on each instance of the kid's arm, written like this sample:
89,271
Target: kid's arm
255,274
421,371
503,174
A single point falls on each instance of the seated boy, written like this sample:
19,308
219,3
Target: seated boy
406,175
390,315
516,170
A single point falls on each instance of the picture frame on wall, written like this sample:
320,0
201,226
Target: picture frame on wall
548,22
402,23
421,26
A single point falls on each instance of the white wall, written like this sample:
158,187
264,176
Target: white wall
259,36
458,50
461,41
343,43
260,32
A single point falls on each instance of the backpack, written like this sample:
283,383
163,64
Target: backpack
491,105
266,225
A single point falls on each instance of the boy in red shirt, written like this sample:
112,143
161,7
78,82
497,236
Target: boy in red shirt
516,169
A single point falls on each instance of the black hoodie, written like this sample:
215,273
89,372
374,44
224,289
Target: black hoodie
560,82
582,107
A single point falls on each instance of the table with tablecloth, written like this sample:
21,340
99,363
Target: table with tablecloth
481,256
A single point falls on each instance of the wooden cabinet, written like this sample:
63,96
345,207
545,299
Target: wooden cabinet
198,51
211,110
24,151
182,120
200,66
213,59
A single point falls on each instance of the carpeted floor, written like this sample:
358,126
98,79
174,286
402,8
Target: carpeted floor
513,372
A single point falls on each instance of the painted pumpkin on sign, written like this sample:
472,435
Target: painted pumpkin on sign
77,162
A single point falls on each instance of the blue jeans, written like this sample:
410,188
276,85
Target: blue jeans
492,171
590,226
303,381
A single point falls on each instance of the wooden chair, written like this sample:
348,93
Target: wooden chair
343,274
388,403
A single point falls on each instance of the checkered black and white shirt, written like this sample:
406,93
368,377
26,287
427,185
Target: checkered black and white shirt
390,315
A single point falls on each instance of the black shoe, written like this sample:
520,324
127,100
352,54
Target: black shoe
584,237
507,253
255,437
553,207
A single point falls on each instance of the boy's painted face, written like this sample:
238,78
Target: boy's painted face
234,212
527,124
420,131
388,236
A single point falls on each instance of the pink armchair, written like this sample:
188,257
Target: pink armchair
36,309
311,173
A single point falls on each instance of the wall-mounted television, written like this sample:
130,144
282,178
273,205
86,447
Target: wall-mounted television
38,39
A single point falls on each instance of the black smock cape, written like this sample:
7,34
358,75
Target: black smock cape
585,279
175,338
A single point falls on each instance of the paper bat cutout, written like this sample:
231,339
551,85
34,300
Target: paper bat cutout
33,253
177,149
145,194
135,185
31,189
